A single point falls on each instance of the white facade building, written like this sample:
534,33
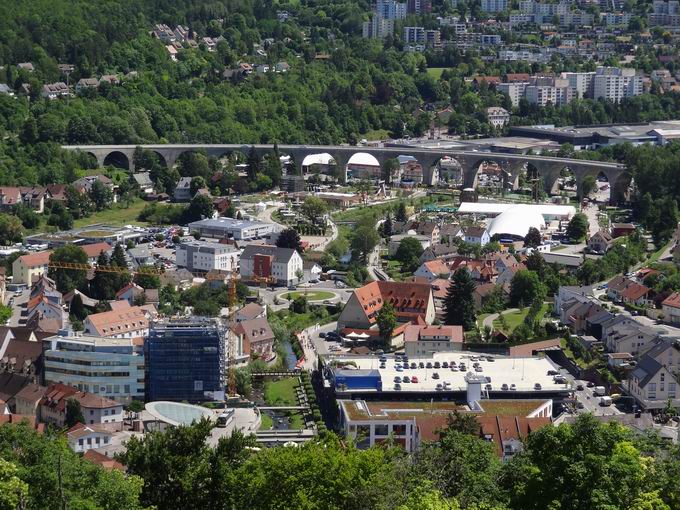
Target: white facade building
207,256
229,228
494,5
614,84
108,367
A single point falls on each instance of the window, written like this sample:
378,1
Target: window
381,430
671,389
91,412
80,442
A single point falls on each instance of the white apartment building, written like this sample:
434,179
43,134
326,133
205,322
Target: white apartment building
515,91
281,265
614,84
377,28
542,91
582,83
494,5
108,367
391,10
207,256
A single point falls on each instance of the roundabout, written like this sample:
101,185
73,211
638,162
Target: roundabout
313,296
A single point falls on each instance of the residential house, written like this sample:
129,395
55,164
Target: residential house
433,270
439,288
96,410
103,461
143,180
133,294
270,263
622,229
312,271
671,308
27,400
411,302
667,352
56,193
55,90
637,294
82,438
449,233
122,322
423,341
476,235
395,241
652,384
619,359
497,116
84,184
482,292
250,312
255,337
600,242
443,252
86,83
183,190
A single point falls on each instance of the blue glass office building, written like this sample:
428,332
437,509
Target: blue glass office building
185,361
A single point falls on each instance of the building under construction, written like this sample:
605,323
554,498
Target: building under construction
186,361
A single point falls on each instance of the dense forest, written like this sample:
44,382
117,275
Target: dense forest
586,465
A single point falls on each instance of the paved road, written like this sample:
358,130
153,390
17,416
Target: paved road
591,402
488,321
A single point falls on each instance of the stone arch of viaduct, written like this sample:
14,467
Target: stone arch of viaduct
549,168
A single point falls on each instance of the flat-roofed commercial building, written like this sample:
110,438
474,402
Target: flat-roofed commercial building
109,367
229,228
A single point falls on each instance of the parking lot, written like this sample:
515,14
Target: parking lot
535,375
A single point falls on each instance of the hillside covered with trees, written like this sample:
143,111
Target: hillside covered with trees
585,465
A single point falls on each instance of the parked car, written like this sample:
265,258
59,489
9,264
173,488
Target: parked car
406,379
322,335
397,379
397,386
414,379
504,387
435,375
445,364
537,386
513,387
579,387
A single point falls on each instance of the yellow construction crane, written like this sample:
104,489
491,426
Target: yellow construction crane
231,340
124,270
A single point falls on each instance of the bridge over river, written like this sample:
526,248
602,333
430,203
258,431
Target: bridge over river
547,168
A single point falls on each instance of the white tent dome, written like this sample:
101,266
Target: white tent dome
516,222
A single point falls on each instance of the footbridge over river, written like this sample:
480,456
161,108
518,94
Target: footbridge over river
547,168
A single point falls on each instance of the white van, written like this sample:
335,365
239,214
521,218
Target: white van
599,391
605,401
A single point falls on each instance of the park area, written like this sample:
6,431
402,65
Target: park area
313,295
282,393
516,317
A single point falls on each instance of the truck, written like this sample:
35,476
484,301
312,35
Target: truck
599,391
605,401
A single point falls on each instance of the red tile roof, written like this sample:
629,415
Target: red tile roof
36,259
103,461
408,299
673,300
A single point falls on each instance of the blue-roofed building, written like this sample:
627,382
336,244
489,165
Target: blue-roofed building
346,379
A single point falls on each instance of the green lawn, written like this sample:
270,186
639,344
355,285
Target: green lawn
436,72
118,215
311,296
375,134
514,319
266,422
281,392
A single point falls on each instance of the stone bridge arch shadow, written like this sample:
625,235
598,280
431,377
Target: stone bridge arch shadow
620,186
489,172
564,183
117,159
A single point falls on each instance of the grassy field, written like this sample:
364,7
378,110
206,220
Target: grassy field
266,422
480,319
118,215
311,296
436,72
375,134
514,319
281,392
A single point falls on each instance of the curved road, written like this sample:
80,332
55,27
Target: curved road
488,321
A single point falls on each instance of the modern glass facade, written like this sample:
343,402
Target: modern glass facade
185,361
